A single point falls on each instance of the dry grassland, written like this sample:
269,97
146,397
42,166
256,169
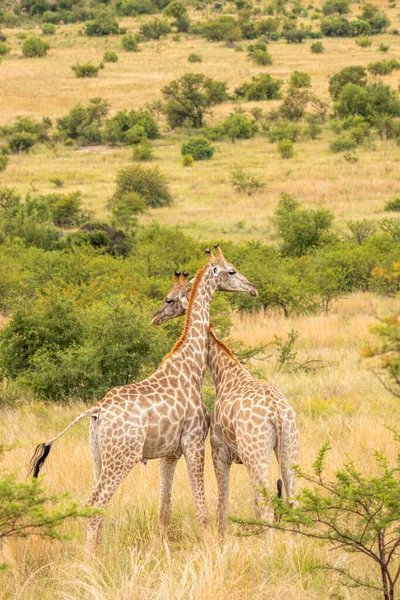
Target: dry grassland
204,200
343,403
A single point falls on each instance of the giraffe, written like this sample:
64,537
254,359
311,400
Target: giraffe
161,417
249,419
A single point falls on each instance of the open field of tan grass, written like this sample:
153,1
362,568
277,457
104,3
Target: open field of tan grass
342,403
204,200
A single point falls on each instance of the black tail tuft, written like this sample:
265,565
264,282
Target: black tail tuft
279,487
40,455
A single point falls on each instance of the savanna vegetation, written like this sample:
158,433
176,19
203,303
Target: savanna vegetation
133,134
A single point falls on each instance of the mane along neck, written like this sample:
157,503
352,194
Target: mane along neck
221,360
195,332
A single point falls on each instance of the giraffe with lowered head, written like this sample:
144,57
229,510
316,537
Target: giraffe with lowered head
160,417
249,420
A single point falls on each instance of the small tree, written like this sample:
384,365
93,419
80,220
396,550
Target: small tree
356,75
353,513
300,79
317,48
178,11
191,97
286,149
129,43
34,47
103,24
155,29
238,126
246,183
110,56
261,87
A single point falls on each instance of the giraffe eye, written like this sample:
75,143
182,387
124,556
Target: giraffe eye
169,301
232,272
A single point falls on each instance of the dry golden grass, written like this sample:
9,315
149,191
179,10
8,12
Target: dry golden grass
342,403
47,86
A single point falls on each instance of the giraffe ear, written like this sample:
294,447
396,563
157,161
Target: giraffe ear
184,302
216,270
192,280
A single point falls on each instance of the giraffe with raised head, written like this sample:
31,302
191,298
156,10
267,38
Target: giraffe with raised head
249,420
161,417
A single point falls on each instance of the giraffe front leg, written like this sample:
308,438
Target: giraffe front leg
222,472
194,452
167,470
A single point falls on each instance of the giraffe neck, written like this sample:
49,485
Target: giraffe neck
192,347
223,364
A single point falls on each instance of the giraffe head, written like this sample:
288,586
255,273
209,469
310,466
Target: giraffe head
226,276
177,300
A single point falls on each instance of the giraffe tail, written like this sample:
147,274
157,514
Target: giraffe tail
42,450
279,427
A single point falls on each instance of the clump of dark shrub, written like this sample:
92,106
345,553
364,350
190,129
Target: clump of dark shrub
393,205
132,8
195,58
110,56
222,29
4,48
48,29
103,24
130,43
25,133
261,87
83,124
239,126
82,70
155,29
149,183
317,48
356,75
34,47
199,148
128,127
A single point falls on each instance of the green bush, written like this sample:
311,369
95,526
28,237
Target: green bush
222,29
102,25
359,27
343,144
286,149
283,129
67,210
132,8
83,124
48,29
317,48
193,58
34,47
85,70
4,48
149,183
155,29
3,161
335,27
356,75
364,42
301,229
294,36
299,79
187,160
340,7
262,58
246,183
380,68
142,151
238,126
125,210
178,11
128,127
294,104
129,43
383,47
374,100
393,205
261,87
110,56
199,148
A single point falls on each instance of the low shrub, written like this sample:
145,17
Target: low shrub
261,87
34,47
283,129
383,47
187,160
83,124
48,29
3,161
102,25
380,68
286,149
238,126
342,144
142,151
393,205
22,141
199,148
364,42
262,58
317,48
110,56
195,58
155,29
149,183
85,70
299,79
129,43
246,183
130,127
4,48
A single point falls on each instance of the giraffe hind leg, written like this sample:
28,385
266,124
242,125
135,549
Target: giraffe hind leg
167,471
95,449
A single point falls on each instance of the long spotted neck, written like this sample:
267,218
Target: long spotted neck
192,347
224,366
